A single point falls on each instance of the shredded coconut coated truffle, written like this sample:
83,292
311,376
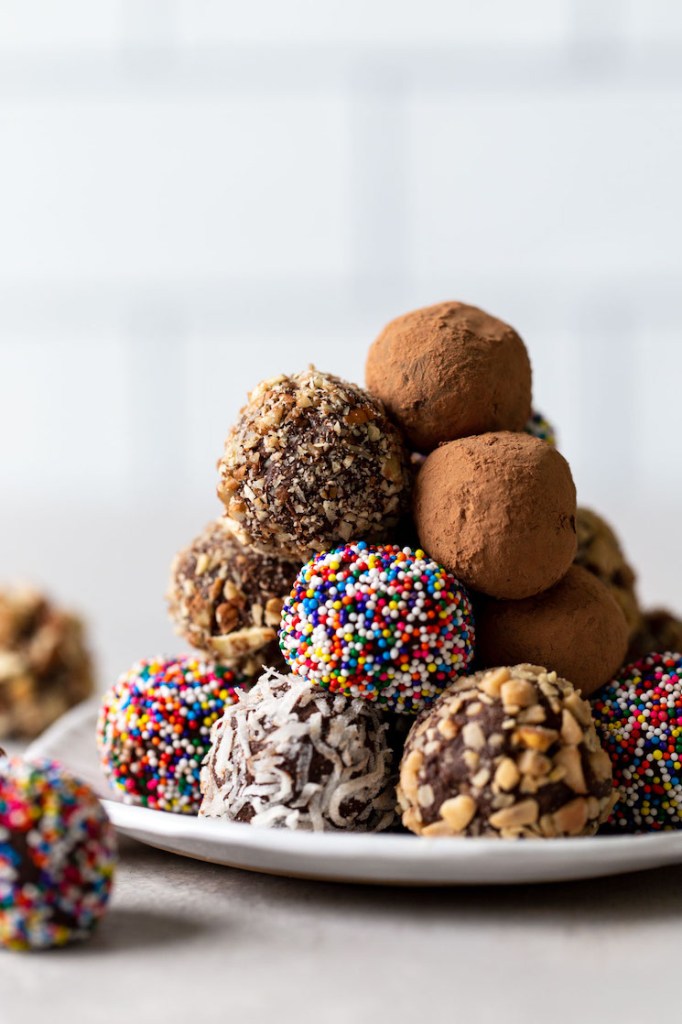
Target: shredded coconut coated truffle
291,756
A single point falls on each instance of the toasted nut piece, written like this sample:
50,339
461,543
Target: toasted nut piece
273,611
579,708
451,705
201,564
481,778
534,715
548,826
593,807
471,759
531,762
531,784
412,819
425,795
501,800
572,817
600,763
536,737
474,709
518,693
458,812
523,813
507,774
447,728
493,680
244,641
437,828
571,731
473,736
569,759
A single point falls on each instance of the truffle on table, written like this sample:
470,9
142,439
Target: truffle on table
576,628
449,371
227,599
292,756
600,552
57,856
638,719
45,667
498,511
506,753
312,461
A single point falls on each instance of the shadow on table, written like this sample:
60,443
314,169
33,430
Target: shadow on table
642,896
129,930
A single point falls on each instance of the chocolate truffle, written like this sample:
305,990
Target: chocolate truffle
576,628
498,511
312,461
638,718
540,427
227,599
507,753
292,756
45,667
449,371
660,631
382,623
154,726
57,856
599,552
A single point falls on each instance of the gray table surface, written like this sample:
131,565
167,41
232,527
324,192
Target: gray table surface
187,941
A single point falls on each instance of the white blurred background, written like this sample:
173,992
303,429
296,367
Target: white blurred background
196,194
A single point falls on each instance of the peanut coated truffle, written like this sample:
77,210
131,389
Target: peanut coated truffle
576,629
498,511
509,753
227,599
449,371
313,462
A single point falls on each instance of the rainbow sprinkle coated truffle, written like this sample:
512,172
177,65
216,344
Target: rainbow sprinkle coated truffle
383,623
57,856
639,721
538,426
154,729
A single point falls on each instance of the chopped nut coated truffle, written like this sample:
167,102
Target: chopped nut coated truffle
508,753
311,462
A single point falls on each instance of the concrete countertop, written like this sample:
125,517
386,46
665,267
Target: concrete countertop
186,941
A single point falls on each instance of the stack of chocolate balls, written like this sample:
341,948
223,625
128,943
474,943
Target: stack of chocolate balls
341,678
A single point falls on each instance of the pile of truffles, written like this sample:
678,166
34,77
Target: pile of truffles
401,616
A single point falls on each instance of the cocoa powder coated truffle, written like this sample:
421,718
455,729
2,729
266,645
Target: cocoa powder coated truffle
576,628
509,753
292,756
227,598
498,511
449,371
313,461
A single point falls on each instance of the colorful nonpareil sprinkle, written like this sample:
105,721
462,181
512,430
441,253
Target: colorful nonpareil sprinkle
154,729
538,426
383,623
639,720
57,856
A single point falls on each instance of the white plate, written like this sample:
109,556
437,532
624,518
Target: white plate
376,859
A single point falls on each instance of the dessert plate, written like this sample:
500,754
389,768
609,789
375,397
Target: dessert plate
373,859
